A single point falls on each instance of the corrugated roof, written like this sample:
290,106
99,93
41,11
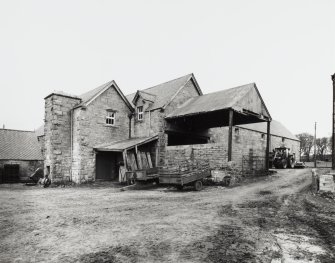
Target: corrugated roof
235,98
19,145
124,144
276,128
163,92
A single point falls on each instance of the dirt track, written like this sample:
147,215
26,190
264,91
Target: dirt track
268,220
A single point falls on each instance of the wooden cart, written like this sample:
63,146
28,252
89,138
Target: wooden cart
184,178
149,174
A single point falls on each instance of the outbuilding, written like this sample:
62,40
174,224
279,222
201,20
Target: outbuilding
20,155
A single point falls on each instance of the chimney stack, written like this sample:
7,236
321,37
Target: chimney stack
333,128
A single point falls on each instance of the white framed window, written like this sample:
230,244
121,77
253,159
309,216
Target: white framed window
110,118
140,113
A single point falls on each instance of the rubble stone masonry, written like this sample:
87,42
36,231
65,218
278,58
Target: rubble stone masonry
58,135
90,129
247,144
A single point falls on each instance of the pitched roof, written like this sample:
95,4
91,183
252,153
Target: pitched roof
165,92
125,144
144,95
238,98
87,96
91,95
19,145
276,128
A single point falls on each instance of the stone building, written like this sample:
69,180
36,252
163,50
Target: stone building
88,137
20,155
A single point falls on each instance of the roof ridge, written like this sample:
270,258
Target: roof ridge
164,82
252,83
99,88
16,130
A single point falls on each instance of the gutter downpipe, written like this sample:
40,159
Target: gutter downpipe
130,115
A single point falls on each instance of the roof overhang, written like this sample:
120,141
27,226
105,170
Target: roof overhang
217,118
123,145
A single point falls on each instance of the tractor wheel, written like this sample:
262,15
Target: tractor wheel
284,164
291,164
198,185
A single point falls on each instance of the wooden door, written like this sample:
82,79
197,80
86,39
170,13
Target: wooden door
11,173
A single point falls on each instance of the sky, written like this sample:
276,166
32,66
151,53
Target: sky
286,47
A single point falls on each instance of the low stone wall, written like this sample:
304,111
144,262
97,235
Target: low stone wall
215,154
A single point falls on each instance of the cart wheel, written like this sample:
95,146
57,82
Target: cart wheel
180,187
198,185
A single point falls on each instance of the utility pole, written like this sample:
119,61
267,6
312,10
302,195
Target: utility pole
333,128
315,145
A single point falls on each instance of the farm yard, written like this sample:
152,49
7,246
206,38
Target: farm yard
267,219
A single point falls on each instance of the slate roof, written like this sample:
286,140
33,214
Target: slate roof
164,92
19,145
220,100
276,128
87,96
145,95
125,144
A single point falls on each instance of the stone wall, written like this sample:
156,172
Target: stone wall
58,135
153,122
248,153
26,168
215,154
142,128
251,145
189,91
90,129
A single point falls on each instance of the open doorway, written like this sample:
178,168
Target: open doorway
107,165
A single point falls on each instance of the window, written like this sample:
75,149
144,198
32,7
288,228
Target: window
282,139
263,136
140,113
110,118
237,131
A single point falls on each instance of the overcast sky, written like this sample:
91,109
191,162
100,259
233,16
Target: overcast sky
286,47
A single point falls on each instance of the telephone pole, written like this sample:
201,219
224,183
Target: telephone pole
315,145
333,128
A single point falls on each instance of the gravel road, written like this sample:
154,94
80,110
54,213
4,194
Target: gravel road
268,219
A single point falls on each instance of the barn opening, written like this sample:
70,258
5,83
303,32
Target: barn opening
107,165
134,154
237,106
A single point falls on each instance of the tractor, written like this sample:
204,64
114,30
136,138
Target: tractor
282,158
